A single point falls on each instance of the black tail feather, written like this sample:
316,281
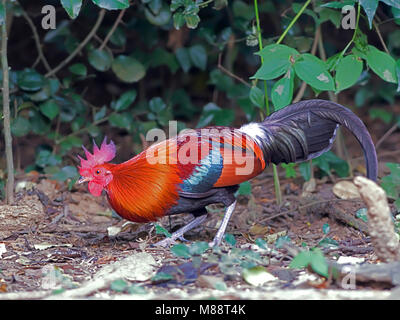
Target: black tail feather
306,129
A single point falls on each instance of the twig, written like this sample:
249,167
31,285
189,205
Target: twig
112,30
294,20
80,46
380,37
386,135
6,112
232,75
304,207
314,47
37,40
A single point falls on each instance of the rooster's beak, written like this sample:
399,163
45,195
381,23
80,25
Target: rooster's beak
83,180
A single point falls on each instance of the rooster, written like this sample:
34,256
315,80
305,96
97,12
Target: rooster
186,173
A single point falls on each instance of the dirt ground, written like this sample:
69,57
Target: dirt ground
57,244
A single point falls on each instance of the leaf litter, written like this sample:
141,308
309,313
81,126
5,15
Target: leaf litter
86,251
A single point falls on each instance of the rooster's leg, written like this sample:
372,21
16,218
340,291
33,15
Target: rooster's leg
221,231
180,232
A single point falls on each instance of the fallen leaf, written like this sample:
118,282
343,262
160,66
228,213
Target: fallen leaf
346,190
2,249
43,246
257,276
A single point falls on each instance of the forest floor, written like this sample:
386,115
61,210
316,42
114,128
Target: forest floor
57,244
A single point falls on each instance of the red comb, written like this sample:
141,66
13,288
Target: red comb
104,154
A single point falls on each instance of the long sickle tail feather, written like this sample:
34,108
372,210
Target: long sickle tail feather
306,129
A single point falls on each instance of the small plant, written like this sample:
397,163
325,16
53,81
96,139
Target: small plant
314,259
391,183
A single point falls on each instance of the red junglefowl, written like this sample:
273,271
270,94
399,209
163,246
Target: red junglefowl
194,169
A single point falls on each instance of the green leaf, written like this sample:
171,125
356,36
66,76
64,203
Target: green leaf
305,170
245,188
159,19
384,115
183,57
157,105
128,69
20,126
179,20
72,7
118,38
101,60
319,264
369,7
119,285
47,158
313,71
155,6
277,60
175,4
337,4
162,277
112,4
163,231
230,239
100,114
282,91
119,120
290,171
192,20
362,214
214,114
198,248
125,101
348,71
136,289
68,172
392,3
261,243
257,276
50,109
398,74
396,15
243,10
181,250
198,55
2,14
257,97
79,69
30,80
326,228
301,260
328,243
382,64
279,243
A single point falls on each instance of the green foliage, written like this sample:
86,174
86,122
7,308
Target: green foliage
391,183
314,259
290,171
161,63
161,230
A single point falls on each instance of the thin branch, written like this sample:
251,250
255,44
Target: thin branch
386,135
37,40
6,112
380,36
232,75
314,47
80,46
112,30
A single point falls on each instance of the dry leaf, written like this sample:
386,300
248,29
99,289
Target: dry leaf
346,190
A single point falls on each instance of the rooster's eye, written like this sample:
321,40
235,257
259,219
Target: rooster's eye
97,171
